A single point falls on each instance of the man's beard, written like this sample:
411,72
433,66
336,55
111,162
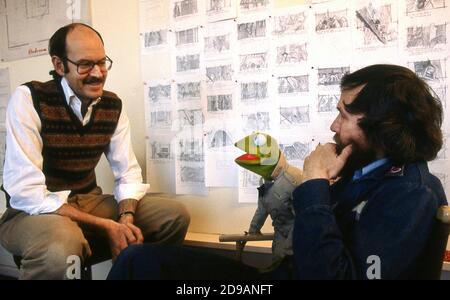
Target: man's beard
357,160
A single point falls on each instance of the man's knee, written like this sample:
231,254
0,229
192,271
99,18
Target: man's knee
66,258
182,217
65,250
162,220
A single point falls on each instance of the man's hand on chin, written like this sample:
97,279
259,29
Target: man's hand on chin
325,163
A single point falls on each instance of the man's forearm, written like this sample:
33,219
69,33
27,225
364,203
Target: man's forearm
127,205
79,216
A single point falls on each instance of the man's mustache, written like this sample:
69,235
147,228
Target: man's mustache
91,80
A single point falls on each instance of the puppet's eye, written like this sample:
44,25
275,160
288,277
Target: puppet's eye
260,140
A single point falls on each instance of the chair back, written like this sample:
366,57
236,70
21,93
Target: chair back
432,257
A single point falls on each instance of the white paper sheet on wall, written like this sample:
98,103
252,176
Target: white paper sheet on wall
221,10
190,156
27,25
220,136
248,184
153,14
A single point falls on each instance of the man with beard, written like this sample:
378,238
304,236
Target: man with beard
56,133
366,205
374,221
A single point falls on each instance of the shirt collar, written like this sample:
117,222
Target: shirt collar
70,95
369,168
68,92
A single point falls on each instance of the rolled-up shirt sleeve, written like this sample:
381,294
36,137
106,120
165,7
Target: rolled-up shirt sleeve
124,165
23,178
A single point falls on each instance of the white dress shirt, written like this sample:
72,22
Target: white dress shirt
23,178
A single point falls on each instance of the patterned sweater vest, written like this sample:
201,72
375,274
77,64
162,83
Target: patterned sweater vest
71,151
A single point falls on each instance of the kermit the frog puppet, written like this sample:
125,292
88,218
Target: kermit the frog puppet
264,157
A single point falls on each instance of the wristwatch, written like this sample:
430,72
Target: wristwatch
126,212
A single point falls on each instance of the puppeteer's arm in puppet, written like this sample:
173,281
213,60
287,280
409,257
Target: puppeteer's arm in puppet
264,157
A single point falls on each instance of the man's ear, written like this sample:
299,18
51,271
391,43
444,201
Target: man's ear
58,65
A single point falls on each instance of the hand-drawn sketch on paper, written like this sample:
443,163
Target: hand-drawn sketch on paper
296,151
413,6
289,24
248,184
192,174
253,62
155,38
433,71
159,94
220,152
188,62
252,30
217,44
190,150
184,8
160,119
250,179
190,117
331,20
254,91
187,36
259,121
332,76
220,103
291,54
220,139
160,151
427,36
253,4
218,6
218,10
294,116
328,103
27,25
188,91
377,24
219,73
293,84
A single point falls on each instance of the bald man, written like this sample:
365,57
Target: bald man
56,134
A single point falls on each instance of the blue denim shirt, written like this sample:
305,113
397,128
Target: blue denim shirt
388,212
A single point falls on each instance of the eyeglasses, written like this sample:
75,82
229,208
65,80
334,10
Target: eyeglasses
85,66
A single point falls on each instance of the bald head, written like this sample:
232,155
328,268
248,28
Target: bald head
78,45
58,42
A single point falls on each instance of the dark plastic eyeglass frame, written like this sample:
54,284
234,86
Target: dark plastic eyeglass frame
92,63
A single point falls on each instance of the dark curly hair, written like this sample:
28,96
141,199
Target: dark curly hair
402,114
57,45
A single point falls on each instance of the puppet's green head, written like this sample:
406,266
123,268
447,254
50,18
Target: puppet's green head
262,154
